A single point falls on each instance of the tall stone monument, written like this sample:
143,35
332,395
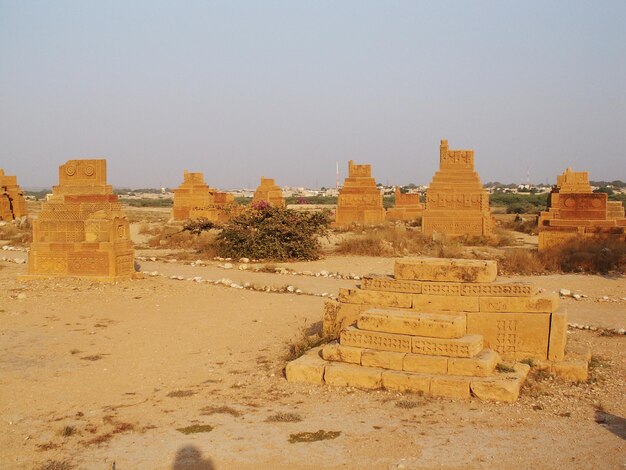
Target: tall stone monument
407,207
442,327
194,199
574,210
359,201
12,202
456,202
82,230
269,192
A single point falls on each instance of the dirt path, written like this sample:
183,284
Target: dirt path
119,368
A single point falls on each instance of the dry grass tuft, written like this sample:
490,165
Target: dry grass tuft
320,435
521,261
284,418
55,465
211,410
181,393
195,428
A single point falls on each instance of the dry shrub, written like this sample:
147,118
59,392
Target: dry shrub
586,255
394,240
273,233
173,237
521,261
519,224
18,232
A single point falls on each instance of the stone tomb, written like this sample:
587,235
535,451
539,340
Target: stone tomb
81,230
575,210
269,192
194,199
407,207
359,201
456,202
441,327
12,202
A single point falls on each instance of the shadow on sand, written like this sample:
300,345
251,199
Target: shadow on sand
190,458
613,423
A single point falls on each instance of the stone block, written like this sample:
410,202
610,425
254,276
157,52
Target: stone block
349,375
425,364
574,371
450,387
337,316
375,340
382,359
503,388
338,353
580,352
406,382
467,346
308,368
544,303
443,269
441,288
512,335
504,289
376,298
445,303
389,284
482,365
558,335
418,324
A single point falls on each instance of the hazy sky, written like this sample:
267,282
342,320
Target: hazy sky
286,89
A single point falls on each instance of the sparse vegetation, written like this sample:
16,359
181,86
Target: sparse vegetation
504,368
211,410
180,394
55,465
320,435
195,428
284,418
68,431
266,232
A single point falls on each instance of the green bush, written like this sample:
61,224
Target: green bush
265,232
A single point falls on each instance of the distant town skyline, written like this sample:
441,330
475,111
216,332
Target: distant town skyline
241,89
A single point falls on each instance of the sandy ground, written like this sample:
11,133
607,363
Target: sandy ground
93,374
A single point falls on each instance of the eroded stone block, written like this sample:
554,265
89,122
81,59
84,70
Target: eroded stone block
512,335
558,335
406,382
340,353
425,364
391,285
308,368
481,365
445,303
543,303
382,359
377,298
375,340
467,346
443,269
349,375
450,387
418,324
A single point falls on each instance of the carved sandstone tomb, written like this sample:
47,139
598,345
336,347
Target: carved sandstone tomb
269,192
194,199
575,210
81,230
359,201
441,327
12,202
456,202
407,207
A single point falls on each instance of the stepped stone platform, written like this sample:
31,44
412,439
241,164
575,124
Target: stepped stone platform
81,230
407,207
574,210
441,327
194,199
12,201
269,192
360,201
456,202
